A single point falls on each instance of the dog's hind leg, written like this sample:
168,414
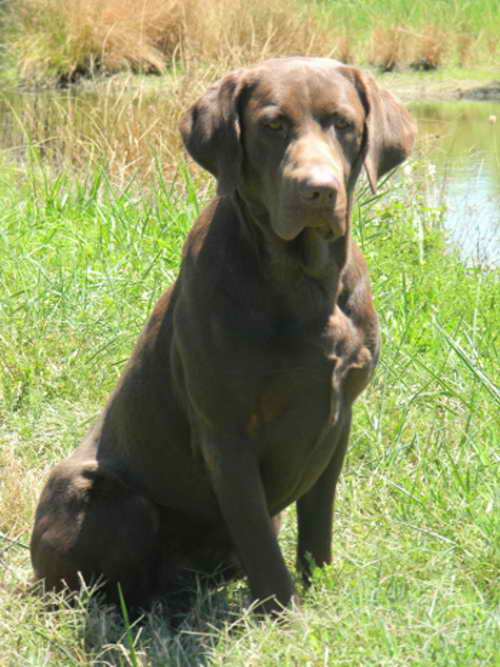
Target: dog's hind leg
90,524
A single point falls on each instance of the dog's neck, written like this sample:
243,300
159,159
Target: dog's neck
307,267
308,256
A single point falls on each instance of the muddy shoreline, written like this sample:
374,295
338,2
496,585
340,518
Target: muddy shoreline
410,89
409,86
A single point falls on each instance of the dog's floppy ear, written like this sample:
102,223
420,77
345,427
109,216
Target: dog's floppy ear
211,131
390,128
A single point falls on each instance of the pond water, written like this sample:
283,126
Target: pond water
462,142
458,142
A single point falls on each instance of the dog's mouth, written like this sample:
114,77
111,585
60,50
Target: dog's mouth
325,232
328,223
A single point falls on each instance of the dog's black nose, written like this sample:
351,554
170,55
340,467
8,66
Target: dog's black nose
320,188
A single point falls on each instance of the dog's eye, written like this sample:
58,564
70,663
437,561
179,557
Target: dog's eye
341,123
276,125
337,121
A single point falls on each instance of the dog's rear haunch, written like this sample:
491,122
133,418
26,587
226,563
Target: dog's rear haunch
237,399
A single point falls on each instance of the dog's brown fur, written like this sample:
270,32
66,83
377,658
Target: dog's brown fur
237,399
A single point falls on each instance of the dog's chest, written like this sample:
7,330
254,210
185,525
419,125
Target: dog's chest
311,378
301,408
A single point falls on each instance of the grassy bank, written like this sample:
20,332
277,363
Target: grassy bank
55,40
82,260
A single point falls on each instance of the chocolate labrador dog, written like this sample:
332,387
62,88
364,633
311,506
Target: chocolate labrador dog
237,399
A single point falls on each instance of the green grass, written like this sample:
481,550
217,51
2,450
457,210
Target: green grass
415,560
452,12
469,27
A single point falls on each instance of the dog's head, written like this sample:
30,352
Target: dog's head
291,136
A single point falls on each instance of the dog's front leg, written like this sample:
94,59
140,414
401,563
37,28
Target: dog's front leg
315,511
237,482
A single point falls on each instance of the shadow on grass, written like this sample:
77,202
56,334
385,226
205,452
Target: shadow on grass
183,629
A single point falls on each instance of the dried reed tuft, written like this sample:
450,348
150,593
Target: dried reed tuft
388,47
429,48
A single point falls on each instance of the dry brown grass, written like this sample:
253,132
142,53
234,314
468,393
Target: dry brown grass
64,38
396,46
234,32
17,493
388,47
430,46
121,124
344,47
465,47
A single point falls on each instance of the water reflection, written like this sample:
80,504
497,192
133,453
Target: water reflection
463,141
